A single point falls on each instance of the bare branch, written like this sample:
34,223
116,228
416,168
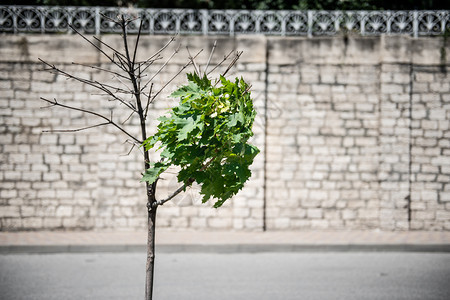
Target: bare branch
233,62
196,68
160,69
174,194
101,69
109,18
95,46
122,63
133,144
125,43
125,21
130,91
247,89
137,43
117,90
156,54
220,63
108,46
131,149
173,77
184,186
92,83
129,117
210,56
110,121
148,63
78,129
148,101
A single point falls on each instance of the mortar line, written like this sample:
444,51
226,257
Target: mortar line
409,198
266,118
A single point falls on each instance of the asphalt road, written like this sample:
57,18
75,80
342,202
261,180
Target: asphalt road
326,275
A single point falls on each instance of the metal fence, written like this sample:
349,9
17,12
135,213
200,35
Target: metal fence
96,20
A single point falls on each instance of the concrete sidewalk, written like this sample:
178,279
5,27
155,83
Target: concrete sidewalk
224,241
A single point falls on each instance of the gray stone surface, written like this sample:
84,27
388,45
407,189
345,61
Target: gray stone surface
228,276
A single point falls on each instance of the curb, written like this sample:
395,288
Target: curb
225,249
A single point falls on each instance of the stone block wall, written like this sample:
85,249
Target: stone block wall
359,139
430,149
353,132
85,179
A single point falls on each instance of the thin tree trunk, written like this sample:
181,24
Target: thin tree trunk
150,188
150,267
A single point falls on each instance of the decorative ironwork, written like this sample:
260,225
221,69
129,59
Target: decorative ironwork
97,20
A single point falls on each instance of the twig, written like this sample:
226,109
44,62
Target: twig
123,63
148,101
117,90
247,89
108,46
127,52
94,45
109,18
78,129
130,91
233,62
184,186
173,77
160,69
133,144
210,56
95,84
110,121
175,193
220,63
137,43
197,69
131,149
158,52
149,63
101,69
129,117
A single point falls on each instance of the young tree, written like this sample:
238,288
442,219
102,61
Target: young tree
205,135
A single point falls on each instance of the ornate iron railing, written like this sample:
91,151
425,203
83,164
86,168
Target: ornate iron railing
96,20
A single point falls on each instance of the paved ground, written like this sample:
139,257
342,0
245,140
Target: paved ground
237,276
192,241
227,265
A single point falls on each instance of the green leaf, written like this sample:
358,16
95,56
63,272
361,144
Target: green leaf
190,90
185,127
153,173
206,136
203,83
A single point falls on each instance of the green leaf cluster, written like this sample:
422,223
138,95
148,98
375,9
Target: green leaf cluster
206,136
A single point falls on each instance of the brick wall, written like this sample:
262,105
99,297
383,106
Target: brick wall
354,133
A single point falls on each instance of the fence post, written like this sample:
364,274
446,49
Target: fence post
97,20
442,15
258,17
388,22
14,16
233,15
42,13
310,23
283,15
204,14
415,24
177,20
337,20
151,20
363,23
